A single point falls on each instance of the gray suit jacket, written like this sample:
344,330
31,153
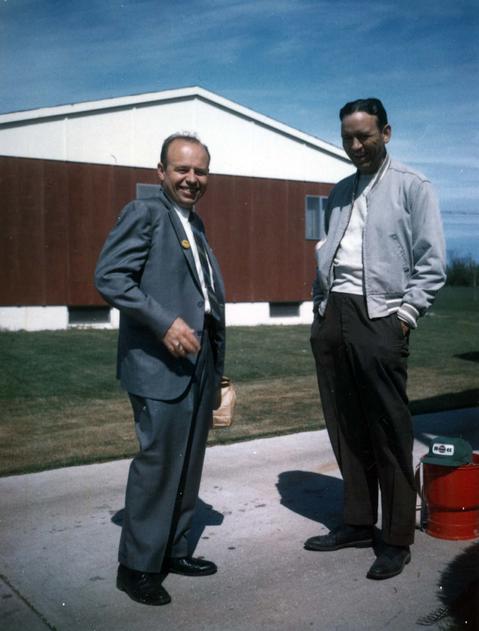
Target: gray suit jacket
147,271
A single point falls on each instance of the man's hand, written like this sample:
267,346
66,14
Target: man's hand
180,339
404,327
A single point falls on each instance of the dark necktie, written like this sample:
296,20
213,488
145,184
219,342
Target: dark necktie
200,245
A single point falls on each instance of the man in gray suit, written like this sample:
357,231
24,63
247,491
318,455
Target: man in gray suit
156,267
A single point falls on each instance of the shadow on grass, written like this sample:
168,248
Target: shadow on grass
447,401
462,422
316,496
205,515
473,356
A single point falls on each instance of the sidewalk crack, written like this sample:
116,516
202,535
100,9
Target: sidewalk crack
27,603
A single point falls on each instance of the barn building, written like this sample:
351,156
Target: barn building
66,171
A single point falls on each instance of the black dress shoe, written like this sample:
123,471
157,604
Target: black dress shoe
342,537
143,587
188,566
390,562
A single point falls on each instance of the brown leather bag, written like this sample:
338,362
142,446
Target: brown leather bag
223,415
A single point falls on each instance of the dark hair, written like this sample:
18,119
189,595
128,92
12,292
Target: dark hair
370,106
188,137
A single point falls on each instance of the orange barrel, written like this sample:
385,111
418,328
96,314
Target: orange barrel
452,500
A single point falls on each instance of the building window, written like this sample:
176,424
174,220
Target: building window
147,191
283,309
314,216
88,316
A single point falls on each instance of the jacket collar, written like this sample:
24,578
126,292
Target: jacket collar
377,177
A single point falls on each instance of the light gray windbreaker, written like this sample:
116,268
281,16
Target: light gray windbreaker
403,243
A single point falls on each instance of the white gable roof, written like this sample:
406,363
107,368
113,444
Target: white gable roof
129,131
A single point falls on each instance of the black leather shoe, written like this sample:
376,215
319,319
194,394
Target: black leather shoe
188,566
342,537
143,587
390,562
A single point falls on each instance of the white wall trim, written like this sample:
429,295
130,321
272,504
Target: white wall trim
33,318
56,318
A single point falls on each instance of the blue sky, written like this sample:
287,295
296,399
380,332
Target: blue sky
297,61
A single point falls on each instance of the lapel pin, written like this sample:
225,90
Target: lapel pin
185,244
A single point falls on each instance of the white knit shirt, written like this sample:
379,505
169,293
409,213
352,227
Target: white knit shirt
348,262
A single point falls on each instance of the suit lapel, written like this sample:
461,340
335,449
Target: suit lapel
217,278
182,240
188,254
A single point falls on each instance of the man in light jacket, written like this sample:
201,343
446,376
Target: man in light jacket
378,271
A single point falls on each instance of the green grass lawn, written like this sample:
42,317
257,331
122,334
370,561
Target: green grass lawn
61,405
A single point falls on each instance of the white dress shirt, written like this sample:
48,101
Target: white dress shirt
184,216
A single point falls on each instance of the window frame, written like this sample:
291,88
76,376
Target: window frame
314,224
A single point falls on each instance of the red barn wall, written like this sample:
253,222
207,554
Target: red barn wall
54,217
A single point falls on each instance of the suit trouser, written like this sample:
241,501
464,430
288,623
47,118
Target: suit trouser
361,366
164,477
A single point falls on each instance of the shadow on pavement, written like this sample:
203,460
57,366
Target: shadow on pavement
458,591
205,515
459,588
315,496
117,518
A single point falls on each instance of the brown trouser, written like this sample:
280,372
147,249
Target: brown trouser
362,372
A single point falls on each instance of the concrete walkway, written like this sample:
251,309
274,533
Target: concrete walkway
259,501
